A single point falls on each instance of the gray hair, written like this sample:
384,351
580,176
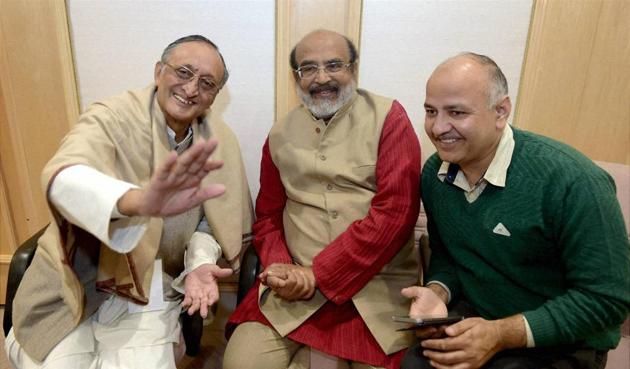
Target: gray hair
498,83
196,38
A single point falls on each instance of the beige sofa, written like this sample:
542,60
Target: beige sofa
619,358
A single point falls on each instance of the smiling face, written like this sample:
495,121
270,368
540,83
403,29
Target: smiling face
458,120
324,93
182,101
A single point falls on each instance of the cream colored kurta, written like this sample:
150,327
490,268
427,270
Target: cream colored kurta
124,138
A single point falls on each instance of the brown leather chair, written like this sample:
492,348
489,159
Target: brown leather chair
250,268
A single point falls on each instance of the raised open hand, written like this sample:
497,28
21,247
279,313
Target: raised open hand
175,187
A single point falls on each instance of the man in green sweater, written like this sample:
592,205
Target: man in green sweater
527,237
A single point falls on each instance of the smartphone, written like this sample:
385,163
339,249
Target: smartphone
425,321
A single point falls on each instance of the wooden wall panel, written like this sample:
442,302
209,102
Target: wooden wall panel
296,18
38,104
39,101
575,85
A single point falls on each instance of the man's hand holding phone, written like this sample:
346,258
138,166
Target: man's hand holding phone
427,303
414,323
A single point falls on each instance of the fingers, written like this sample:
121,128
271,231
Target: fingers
187,301
424,302
220,272
473,345
411,292
190,304
461,327
291,282
427,332
201,302
447,360
211,165
275,269
298,285
210,191
275,283
164,170
194,163
448,343
305,286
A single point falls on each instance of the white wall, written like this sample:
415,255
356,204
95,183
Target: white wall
116,44
402,41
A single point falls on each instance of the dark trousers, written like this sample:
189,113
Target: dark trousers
534,358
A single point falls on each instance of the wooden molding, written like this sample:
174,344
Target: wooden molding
8,241
295,19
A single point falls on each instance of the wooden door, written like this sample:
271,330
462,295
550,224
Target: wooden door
38,104
575,85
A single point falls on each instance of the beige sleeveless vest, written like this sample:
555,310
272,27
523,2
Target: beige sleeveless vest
328,172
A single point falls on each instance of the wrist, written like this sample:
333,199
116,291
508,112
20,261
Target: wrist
127,204
311,275
511,332
439,291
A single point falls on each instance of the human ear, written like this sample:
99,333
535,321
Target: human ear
156,72
503,108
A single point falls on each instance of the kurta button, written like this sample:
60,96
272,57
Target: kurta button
317,130
334,214
323,157
329,187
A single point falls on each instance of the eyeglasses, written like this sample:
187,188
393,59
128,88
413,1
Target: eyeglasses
310,70
206,84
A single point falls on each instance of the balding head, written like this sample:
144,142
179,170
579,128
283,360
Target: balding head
495,82
323,35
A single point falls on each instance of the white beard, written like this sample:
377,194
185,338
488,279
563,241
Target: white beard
323,108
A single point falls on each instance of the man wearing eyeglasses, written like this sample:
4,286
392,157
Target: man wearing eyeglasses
136,230
338,202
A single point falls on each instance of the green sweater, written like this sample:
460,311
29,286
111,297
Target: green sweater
565,264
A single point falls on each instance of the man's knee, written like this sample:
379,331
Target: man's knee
256,346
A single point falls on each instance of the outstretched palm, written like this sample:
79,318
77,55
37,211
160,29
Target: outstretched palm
201,288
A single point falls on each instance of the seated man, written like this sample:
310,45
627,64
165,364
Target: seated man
526,234
338,202
133,223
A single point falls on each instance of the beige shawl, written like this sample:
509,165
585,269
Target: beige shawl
123,137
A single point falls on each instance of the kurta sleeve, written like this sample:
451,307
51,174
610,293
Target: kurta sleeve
87,198
269,240
202,249
350,261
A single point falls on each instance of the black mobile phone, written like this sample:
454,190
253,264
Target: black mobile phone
425,321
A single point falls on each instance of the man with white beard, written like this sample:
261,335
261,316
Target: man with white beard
338,202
